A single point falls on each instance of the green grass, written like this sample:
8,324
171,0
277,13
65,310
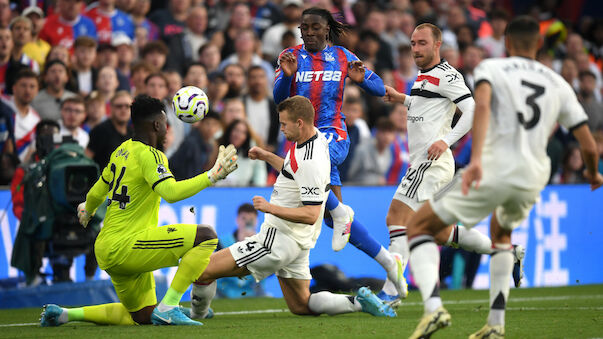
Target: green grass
565,312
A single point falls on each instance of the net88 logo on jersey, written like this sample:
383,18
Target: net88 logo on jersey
309,76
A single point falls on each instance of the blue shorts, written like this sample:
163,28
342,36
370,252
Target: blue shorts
338,151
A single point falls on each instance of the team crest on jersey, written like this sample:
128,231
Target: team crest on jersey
423,84
162,171
329,56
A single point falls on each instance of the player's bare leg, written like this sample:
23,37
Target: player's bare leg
501,266
221,264
425,258
296,293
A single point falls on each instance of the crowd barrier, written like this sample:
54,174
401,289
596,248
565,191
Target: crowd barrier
562,234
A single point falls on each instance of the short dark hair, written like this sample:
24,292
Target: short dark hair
298,107
524,32
77,99
212,115
384,124
25,73
142,66
84,41
499,14
154,46
225,140
156,75
246,208
255,68
145,108
586,73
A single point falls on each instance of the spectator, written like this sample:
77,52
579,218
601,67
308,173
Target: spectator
110,21
21,28
571,167
139,17
234,74
26,118
586,96
375,22
196,76
260,108
372,159
465,37
271,47
61,53
8,67
358,130
106,84
125,55
368,51
406,73
245,46
84,55
157,87
140,71
198,151
450,54
238,287
234,109
96,111
454,20
392,33
209,56
184,47
5,13
171,21
249,172
106,55
423,12
265,14
47,102
175,82
67,24
472,55
7,144
569,72
37,49
240,19
216,91
109,134
73,114
155,54
397,117
494,44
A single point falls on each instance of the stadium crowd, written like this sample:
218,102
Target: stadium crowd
81,63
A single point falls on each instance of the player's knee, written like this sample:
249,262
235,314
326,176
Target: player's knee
204,233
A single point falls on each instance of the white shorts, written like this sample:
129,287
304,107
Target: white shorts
421,182
512,205
269,252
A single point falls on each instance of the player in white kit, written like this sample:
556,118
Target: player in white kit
292,224
518,104
436,94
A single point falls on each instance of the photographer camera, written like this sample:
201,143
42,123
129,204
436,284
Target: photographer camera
45,195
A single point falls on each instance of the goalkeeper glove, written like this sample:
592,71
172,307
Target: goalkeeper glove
225,164
83,215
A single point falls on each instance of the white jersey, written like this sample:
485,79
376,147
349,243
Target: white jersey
432,103
528,99
304,180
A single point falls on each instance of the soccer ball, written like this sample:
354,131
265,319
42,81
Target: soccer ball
190,104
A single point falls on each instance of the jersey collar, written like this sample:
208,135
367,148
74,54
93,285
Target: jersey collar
312,138
442,60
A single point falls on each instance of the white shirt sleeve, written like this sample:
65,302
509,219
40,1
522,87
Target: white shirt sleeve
572,113
455,89
311,185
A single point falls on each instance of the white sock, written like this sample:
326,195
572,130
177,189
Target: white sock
163,307
385,259
398,243
201,297
470,239
339,211
425,259
332,304
501,267
64,317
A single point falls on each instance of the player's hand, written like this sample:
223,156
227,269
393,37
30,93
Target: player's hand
472,173
83,215
256,153
288,64
595,180
260,204
436,149
356,71
391,95
225,164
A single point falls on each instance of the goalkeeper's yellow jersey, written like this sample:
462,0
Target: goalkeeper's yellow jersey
132,173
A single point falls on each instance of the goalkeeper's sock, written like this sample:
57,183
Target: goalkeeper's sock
332,304
469,239
105,314
201,297
192,265
501,267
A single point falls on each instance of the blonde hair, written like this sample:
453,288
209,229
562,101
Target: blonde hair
435,31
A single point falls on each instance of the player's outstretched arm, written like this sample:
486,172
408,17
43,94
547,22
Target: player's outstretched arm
481,119
95,197
365,78
590,155
307,214
171,190
393,96
257,153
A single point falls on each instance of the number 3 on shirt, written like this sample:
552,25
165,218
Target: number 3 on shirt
531,101
123,198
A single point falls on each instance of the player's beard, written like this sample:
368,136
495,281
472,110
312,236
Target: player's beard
425,61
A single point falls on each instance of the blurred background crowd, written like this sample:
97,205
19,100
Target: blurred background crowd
80,64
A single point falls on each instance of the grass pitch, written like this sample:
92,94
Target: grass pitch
565,312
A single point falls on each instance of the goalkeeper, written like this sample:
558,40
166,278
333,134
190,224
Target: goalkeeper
131,246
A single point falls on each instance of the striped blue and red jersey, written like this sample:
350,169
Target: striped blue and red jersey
321,77
57,31
111,24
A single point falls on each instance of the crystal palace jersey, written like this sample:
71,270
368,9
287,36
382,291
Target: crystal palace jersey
57,31
303,180
528,100
433,100
111,24
321,77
